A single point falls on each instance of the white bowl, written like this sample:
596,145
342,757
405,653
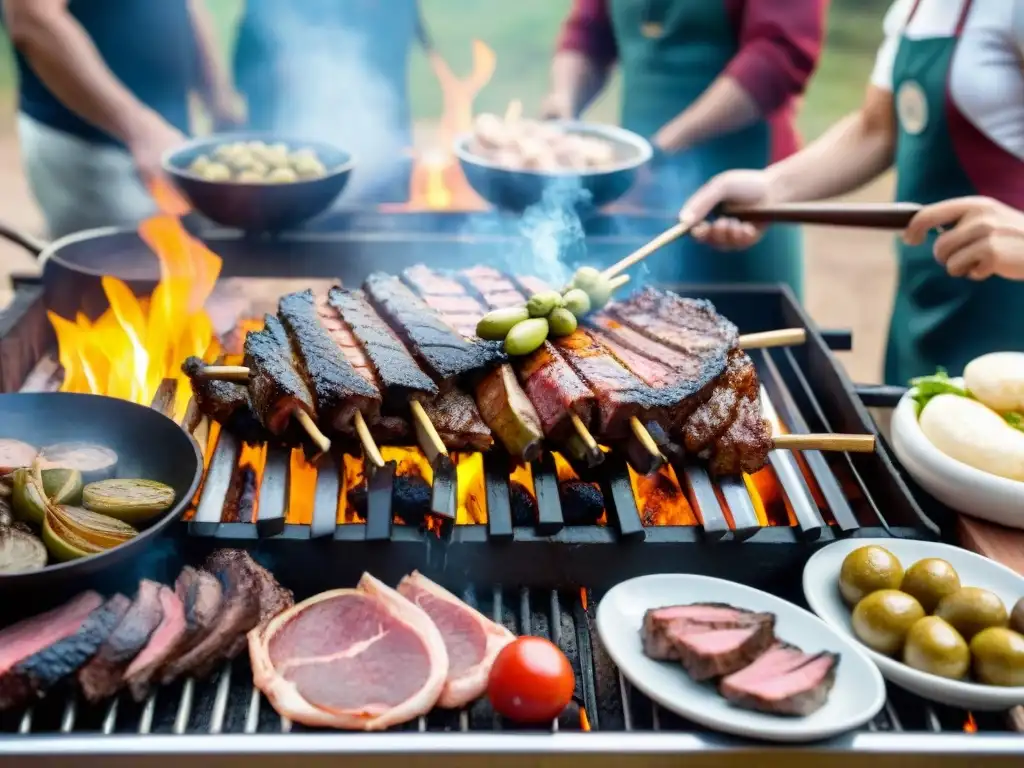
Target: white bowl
821,588
856,697
955,484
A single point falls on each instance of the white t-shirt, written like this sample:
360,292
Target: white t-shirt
987,78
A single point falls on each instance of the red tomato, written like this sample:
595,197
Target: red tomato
531,681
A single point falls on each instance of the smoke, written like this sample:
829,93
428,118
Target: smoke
333,87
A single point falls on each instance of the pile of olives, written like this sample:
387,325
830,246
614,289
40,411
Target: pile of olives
254,162
930,620
524,329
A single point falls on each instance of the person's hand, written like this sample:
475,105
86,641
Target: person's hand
227,109
148,142
557,106
738,187
986,238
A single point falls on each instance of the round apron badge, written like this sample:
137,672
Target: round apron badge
912,107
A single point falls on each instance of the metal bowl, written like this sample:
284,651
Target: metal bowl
516,190
148,445
259,207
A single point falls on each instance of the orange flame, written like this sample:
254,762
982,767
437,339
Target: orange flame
437,181
137,343
970,724
660,499
584,720
352,477
301,489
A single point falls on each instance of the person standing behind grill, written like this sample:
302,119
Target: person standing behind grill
945,108
714,85
335,71
103,92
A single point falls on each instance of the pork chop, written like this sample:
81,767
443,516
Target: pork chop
471,639
357,659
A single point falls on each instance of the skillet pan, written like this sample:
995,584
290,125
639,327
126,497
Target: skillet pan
148,445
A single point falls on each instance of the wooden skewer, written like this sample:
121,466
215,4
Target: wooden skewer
318,437
369,445
641,433
825,442
584,433
225,372
426,428
666,237
618,282
784,337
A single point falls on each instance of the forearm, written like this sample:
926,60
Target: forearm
578,77
723,108
63,56
850,154
214,77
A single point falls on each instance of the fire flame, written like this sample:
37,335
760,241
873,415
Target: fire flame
970,724
660,499
437,181
136,343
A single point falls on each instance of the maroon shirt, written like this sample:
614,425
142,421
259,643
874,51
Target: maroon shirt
779,45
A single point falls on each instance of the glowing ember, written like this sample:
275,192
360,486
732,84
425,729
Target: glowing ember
584,721
583,597
437,181
469,468
970,725
660,499
249,475
137,343
523,475
301,489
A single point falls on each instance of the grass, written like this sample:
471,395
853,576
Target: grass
523,34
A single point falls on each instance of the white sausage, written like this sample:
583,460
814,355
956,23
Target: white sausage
971,433
997,380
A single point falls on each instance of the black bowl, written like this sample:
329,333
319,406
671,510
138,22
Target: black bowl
586,191
259,207
148,445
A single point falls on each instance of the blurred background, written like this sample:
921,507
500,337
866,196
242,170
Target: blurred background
850,274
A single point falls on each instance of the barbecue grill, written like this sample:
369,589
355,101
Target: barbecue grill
559,570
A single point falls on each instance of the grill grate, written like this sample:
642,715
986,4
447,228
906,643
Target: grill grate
603,700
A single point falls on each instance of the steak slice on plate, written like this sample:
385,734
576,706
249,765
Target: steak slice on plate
662,626
358,659
162,645
44,669
470,638
713,653
103,676
783,681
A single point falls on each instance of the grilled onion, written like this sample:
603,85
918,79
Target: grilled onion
134,501
20,551
73,532
60,486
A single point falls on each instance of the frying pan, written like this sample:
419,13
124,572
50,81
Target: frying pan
73,265
148,444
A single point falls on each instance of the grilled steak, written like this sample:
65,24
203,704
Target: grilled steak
338,390
444,353
783,681
712,418
376,351
162,646
458,423
745,445
103,676
707,654
45,668
689,325
239,612
275,385
550,383
662,625
503,404
226,402
273,598
201,595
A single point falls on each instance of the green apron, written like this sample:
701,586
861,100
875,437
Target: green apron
670,51
939,320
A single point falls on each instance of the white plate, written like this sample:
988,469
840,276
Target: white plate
858,694
821,587
952,482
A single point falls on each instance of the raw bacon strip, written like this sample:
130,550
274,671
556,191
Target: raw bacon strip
358,659
472,640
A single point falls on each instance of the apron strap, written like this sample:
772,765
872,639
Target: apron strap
964,11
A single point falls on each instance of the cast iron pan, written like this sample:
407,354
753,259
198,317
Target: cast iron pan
148,445
73,265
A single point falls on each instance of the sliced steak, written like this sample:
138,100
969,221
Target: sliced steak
44,669
471,639
273,598
712,653
239,612
103,676
201,595
663,625
358,659
783,681
162,646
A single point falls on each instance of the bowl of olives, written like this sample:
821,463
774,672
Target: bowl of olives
938,620
258,182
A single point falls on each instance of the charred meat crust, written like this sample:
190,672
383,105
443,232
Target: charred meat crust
275,386
458,422
226,402
688,325
445,354
339,391
399,376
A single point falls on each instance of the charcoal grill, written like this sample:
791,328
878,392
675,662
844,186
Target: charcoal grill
225,722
